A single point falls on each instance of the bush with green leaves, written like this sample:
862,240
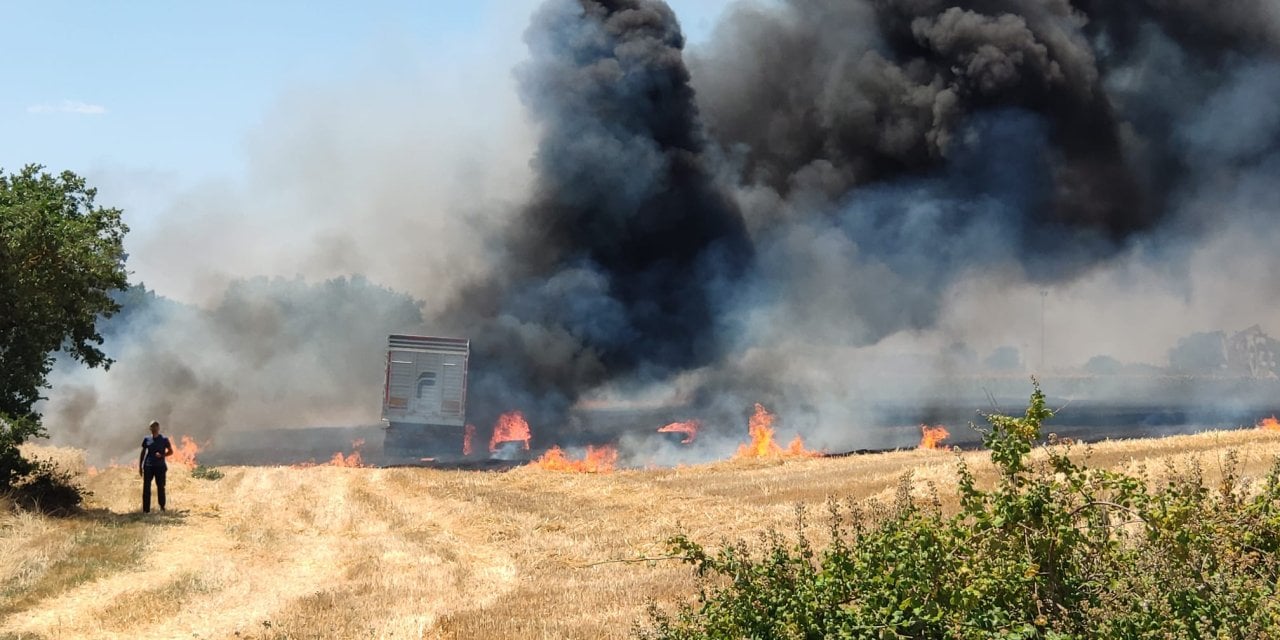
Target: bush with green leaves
202,472
46,488
1054,550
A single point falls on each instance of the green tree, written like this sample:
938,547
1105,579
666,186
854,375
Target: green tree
61,258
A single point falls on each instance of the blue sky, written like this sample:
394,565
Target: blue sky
174,88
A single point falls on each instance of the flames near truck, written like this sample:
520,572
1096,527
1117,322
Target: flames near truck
424,400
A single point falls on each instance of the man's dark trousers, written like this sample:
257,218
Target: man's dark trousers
149,472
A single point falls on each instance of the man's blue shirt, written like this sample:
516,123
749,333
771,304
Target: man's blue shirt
154,445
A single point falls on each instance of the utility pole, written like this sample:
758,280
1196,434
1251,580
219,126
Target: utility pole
1044,294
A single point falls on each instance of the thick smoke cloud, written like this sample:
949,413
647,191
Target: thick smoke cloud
270,353
880,152
1208,30
1049,123
850,94
619,263
915,171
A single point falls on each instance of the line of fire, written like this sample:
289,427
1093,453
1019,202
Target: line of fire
425,423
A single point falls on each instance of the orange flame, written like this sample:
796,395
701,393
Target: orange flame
468,437
932,437
351,460
689,428
1269,424
597,460
511,427
795,449
185,453
760,428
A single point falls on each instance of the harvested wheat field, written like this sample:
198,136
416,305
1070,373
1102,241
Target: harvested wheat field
324,552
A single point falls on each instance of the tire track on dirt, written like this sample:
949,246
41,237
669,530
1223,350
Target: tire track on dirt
281,551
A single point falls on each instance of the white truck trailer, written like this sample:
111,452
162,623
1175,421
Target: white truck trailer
424,401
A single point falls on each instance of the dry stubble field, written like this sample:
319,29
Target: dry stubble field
327,552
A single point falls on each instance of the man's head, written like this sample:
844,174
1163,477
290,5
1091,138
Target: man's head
155,428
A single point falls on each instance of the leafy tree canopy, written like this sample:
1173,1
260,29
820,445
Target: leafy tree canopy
61,259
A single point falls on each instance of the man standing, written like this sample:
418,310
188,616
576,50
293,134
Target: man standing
151,464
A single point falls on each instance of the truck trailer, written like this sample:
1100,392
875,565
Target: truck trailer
424,400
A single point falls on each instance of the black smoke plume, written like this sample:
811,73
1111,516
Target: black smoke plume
619,263
877,152
854,93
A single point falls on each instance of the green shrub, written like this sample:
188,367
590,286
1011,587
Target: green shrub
1054,550
206,473
33,483
46,488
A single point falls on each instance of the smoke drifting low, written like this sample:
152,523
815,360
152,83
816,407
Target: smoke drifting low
280,353
830,195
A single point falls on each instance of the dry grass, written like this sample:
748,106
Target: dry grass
68,458
73,556
326,552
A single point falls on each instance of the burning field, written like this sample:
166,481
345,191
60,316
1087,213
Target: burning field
634,443
759,435
819,256
896,203
331,551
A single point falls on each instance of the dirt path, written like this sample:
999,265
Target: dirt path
255,552
324,552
